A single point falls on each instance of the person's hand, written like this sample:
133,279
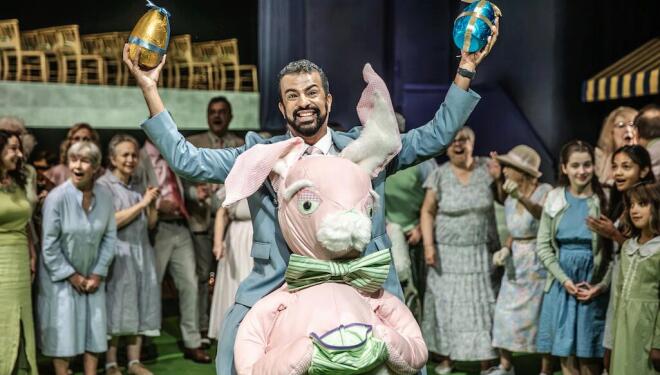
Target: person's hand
93,283
494,166
429,255
587,292
501,255
146,79
603,226
78,282
33,267
654,356
470,61
570,287
511,188
202,191
150,195
414,235
218,249
168,207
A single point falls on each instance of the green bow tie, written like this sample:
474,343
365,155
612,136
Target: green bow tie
366,273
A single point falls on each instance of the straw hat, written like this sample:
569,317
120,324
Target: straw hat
524,158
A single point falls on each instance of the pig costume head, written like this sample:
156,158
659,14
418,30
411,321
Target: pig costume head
325,202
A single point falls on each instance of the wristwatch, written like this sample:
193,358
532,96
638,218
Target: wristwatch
469,74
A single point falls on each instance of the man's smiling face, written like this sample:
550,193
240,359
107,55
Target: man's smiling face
303,103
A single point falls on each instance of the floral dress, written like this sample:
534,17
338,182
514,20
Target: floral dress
460,300
519,302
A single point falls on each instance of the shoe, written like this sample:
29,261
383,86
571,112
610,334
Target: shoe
498,370
138,369
196,355
443,370
206,343
114,370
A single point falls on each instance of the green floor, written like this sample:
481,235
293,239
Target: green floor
169,356
170,360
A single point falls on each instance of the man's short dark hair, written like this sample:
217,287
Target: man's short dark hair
219,99
303,66
647,122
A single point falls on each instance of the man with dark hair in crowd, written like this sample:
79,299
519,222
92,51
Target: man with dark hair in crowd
199,202
647,123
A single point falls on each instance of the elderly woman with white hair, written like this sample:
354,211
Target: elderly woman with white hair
133,291
78,246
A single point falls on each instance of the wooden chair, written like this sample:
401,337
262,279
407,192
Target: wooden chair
18,63
238,77
110,47
73,65
209,52
181,66
33,40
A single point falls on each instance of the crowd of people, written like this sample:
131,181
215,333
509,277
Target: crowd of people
577,277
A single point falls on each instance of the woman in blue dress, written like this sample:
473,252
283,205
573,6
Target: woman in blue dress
133,291
78,246
576,294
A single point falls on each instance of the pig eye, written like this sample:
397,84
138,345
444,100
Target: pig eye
370,209
308,201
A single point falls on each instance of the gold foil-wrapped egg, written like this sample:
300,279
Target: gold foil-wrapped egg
151,36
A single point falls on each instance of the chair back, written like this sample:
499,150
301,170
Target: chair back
180,49
10,38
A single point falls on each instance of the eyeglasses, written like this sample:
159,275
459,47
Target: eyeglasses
623,125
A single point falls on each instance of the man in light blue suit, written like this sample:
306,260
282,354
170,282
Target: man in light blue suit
305,102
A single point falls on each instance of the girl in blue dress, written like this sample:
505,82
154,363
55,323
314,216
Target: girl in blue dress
576,294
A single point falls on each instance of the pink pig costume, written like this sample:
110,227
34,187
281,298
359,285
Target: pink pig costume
325,205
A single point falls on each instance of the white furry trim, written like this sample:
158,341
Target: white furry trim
376,197
295,187
344,231
379,141
280,167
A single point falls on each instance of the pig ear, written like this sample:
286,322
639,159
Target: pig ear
380,140
253,166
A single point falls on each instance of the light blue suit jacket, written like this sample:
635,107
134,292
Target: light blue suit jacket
269,250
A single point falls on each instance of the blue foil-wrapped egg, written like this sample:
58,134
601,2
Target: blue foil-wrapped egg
472,28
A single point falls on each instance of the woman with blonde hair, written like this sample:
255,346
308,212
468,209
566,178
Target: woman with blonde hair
618,130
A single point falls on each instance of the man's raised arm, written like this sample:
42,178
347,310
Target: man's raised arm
432,139
186,160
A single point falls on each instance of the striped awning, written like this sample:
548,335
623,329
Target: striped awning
636,74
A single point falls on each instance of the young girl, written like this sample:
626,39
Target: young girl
630,166
575,301
636,321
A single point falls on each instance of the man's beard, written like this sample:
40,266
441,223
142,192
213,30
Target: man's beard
309,129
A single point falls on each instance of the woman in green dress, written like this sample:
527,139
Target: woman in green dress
17,344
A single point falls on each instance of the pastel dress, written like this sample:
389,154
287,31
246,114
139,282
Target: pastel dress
518,307
569,327
636,321
459,301
234,266
17,344
132,288
71,323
